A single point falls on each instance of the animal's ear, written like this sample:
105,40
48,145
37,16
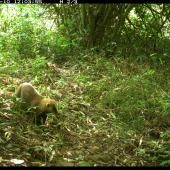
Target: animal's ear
47,104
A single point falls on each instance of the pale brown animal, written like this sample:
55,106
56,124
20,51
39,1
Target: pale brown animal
31,98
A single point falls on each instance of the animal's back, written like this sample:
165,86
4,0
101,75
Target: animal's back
27,93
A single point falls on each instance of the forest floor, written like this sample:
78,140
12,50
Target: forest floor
111,112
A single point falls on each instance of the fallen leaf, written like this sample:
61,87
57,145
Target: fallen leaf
17,161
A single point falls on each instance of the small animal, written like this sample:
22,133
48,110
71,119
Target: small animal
31,98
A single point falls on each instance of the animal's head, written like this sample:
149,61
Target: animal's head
48,105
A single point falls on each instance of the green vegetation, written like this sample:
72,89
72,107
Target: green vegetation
107,65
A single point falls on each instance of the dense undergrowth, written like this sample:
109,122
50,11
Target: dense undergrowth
113,100
112,112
